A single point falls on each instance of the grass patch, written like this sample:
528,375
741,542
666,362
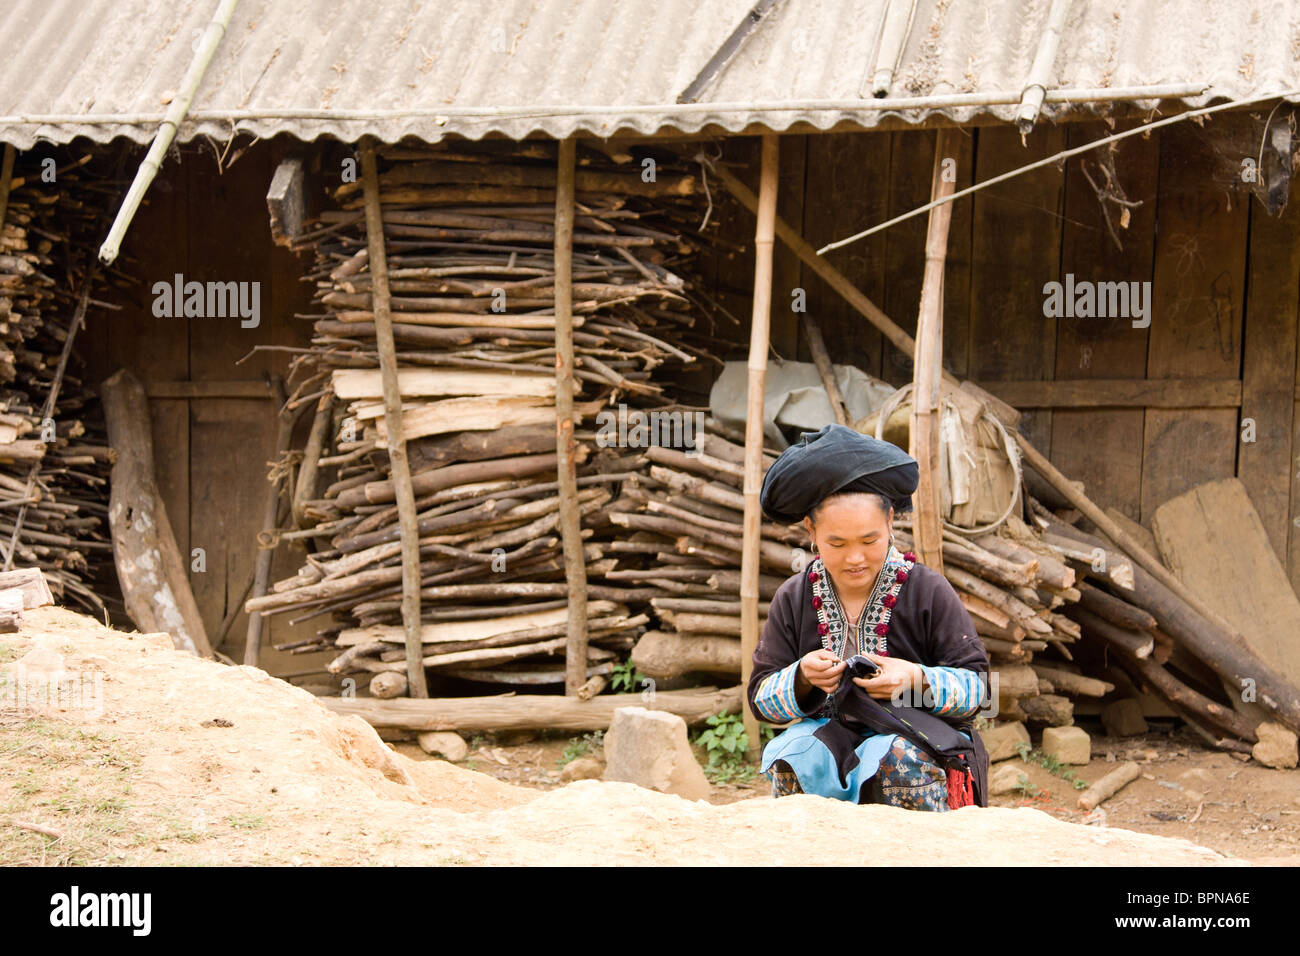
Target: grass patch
582,747
64,778
1051,764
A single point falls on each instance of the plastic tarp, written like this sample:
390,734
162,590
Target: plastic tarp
794,398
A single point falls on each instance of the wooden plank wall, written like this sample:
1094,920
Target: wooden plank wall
211,453
1225,297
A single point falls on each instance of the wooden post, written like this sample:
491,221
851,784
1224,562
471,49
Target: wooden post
927,366
270,522
153,573
758,341
403,493
575,569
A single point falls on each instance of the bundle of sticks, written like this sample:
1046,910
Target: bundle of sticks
469,238
54,454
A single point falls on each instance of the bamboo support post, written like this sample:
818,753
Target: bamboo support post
575,574
176,110
927,368
403,492
758,343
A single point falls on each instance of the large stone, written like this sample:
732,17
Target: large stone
1067,744
444,743
1123,718
1000,741
1276,747
650,748
1006,778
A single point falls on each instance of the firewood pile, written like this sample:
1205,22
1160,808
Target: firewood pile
54,454
469,237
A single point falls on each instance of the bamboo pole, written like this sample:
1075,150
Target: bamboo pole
216,29
403,492
758,343
927,368
575,573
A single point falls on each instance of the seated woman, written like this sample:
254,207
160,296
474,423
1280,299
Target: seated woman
861,595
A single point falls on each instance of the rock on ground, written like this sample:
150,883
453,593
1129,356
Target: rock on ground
650,748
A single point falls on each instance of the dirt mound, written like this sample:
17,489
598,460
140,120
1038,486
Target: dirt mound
163,753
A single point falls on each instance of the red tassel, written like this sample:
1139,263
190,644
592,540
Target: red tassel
961,791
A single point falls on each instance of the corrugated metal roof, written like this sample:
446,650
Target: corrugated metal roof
344,68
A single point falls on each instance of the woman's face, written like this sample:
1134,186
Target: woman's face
852,536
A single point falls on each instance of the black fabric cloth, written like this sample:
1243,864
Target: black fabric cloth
837,458
929,625
861,715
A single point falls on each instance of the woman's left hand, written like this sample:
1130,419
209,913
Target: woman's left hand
894,674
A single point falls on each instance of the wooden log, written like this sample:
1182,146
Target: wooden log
155,583
1050,709
31,583
531,712
387,685
403,491
1109,785
1137,643
304,488
1114,609
1072,683
664,654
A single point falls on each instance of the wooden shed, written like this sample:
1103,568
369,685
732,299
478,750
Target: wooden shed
1197,379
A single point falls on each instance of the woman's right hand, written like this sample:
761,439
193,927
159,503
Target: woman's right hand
822,670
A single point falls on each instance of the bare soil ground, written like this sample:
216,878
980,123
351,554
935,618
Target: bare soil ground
181,761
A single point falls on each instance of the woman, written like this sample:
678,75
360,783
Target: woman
861,595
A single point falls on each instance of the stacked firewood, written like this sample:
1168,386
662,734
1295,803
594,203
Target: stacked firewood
469,238
54,454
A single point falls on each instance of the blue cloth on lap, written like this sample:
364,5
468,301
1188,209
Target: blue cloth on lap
814,764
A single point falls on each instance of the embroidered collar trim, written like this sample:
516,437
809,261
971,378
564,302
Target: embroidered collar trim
873,624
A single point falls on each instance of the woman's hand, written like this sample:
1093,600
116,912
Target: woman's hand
894,674
822,670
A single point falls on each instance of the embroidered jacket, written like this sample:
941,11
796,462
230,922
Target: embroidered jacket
913,613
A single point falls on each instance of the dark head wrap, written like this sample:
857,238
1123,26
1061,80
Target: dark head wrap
837,458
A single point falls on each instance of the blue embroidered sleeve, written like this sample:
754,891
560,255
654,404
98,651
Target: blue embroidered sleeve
775,698
957,691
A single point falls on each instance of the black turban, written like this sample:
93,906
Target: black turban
837,458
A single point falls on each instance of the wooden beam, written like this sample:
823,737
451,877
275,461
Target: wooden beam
285,202
575,571
403,492
753,481
927,367
1119,393
530,711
